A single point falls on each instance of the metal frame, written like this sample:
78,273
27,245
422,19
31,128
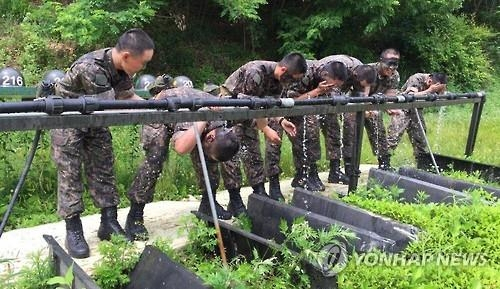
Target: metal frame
35,121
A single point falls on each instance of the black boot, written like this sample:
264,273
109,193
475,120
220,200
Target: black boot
384,163
314,181
109,224
336,176
259,189
274,188
236,206
422,162
135,223
75,241
205,208
300,180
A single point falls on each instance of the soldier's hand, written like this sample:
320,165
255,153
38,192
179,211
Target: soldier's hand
289,127
323,87
436,88
271,135
392,112
371,113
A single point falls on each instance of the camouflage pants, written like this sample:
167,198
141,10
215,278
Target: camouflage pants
155,139
273,151
337,144
212,169
407,121
306,148
349,127
91,148
375,129
250,155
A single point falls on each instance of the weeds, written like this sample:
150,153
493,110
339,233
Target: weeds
118,258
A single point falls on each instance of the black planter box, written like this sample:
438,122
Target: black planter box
489,173
62,262
446,182
157,270
238,242
402,234
154,270
411,187
267,213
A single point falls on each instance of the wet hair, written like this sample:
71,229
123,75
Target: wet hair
224,146
365,72
438,77
294,62
136,41
388,51
334,70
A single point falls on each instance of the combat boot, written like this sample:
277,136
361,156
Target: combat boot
109,224
384,163
274,188
315,182
236,206
335,175
75,241
260,189
220,211
422,161
299,180
134,227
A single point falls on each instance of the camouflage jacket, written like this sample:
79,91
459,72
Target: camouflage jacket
95,74
350,62
184,92
417,80
382,83
309,81
255,78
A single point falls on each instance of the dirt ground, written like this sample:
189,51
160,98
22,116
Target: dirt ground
162,219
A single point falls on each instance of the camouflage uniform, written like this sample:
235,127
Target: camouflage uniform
273,151
92,74
306,147
212,166
408,120
155,139
374,124
330,124
255,78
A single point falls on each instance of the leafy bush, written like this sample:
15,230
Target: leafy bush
118,258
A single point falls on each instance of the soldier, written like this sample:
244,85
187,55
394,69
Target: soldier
408,120
319,80
106,74
387,82
220,144
330,125
260,78
155,139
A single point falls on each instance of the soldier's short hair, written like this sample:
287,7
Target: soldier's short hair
294,62
335,70
136,41
365,72
224,145
438,77
388,51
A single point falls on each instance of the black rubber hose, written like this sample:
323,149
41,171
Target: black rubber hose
20,183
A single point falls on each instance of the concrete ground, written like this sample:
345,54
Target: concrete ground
162,219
